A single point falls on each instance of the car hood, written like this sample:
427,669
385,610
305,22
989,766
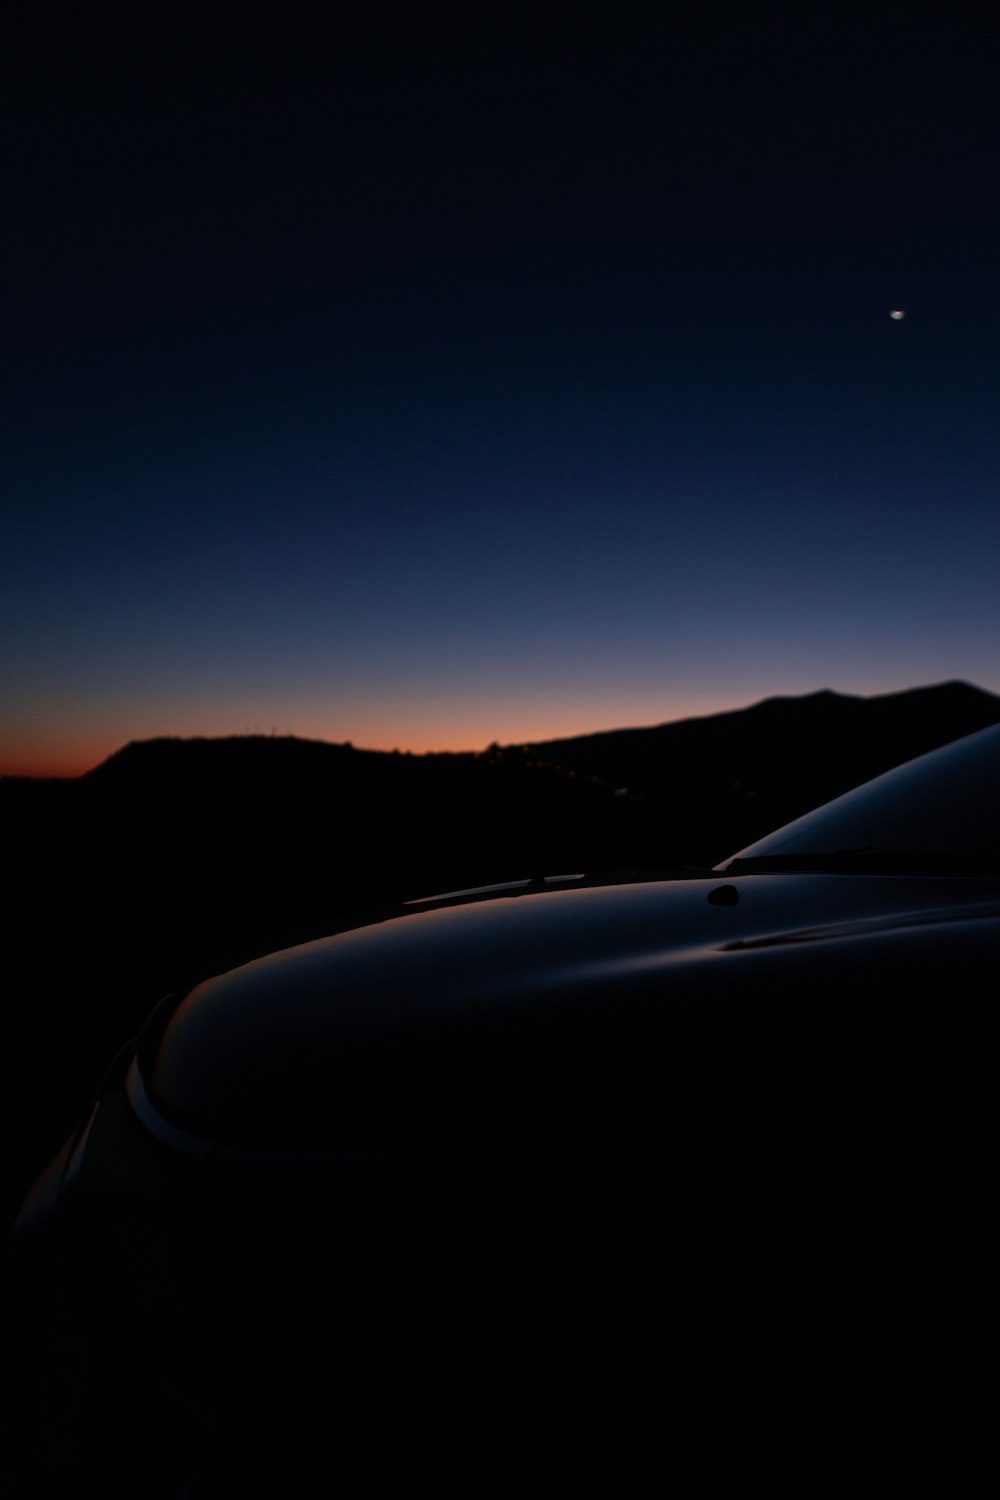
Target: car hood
680,1004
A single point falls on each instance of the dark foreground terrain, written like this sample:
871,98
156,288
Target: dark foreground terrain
176,858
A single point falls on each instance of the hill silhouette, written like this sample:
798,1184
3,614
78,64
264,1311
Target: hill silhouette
727,778
838,734
179,857
719,777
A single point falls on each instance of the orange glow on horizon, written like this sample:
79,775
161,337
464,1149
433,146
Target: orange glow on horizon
62,756
45,761
52,749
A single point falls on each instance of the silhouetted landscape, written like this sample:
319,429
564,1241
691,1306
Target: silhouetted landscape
177,858
436,375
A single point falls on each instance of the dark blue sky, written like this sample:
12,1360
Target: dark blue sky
498,376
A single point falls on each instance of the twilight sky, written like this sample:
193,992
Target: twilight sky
494,376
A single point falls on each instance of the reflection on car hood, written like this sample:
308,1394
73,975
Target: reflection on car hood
572,1007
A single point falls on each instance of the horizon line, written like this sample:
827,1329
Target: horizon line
77,775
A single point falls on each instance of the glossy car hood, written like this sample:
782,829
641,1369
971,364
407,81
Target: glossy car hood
672,1003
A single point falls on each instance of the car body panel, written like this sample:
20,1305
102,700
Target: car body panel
631,1006
943,803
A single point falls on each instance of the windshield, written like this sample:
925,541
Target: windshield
941,808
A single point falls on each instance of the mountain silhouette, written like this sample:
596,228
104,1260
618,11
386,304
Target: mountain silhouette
291,827
824,735
727,778
821,739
